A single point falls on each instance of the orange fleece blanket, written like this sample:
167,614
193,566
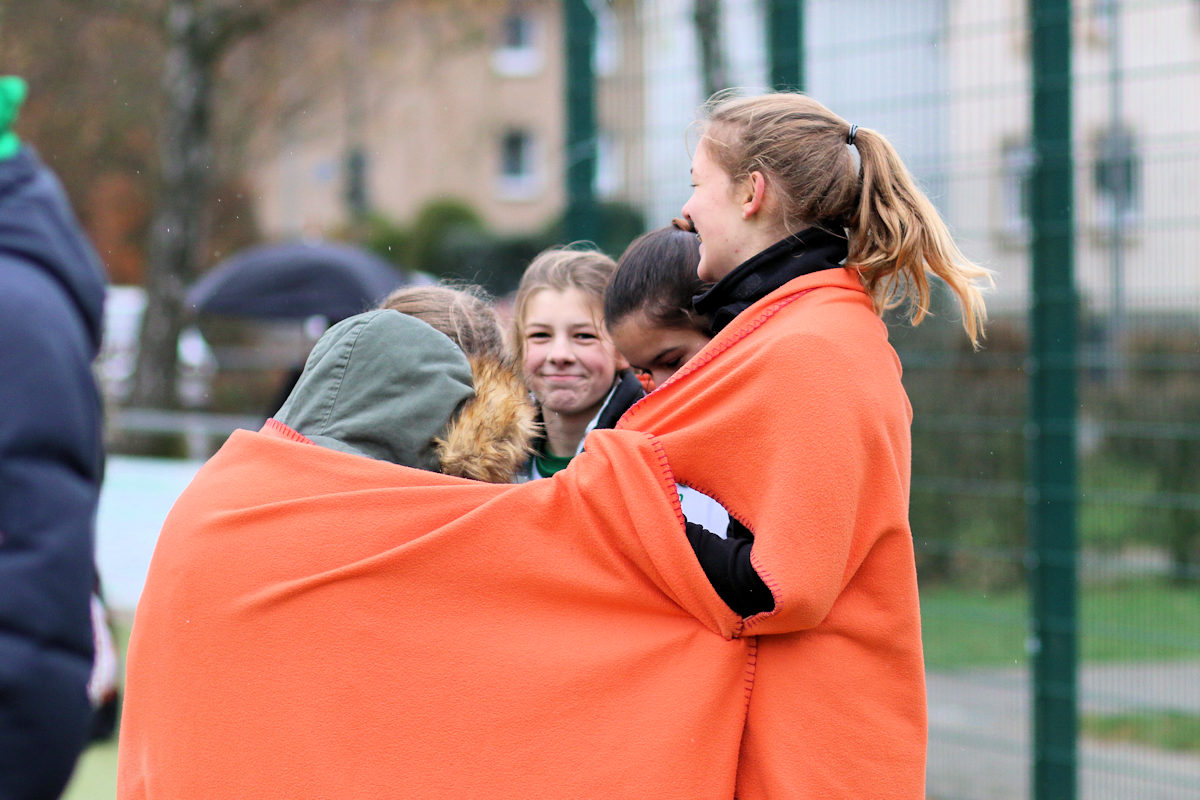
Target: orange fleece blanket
321,625
794,418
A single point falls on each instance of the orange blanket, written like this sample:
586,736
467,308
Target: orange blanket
321,625
316,624
795,419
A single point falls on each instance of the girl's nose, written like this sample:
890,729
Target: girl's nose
560,350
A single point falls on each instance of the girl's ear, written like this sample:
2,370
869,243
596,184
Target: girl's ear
754,193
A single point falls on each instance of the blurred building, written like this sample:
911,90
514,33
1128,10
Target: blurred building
1136,148
396,102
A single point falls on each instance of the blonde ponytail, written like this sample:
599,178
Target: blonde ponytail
896,236
897,239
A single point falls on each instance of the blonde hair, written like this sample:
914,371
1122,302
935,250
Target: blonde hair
561,268
896,236
464,313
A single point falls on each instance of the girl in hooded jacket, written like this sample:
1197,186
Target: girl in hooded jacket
489,437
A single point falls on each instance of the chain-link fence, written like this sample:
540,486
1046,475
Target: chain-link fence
1062,144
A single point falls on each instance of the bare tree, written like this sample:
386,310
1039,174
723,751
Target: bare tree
198,34
714,74
97,112
92,113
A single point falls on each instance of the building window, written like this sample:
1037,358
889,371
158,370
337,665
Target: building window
1016,186
518,165
517,53
1116,175
518,31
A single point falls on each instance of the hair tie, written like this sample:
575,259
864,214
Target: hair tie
850,136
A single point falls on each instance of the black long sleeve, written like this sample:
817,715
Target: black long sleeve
726,563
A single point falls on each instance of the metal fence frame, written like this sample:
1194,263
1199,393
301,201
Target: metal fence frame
1053,359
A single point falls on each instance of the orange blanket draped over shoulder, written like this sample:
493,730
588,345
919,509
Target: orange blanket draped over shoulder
321,625
794,418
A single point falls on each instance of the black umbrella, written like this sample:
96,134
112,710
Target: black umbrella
296,280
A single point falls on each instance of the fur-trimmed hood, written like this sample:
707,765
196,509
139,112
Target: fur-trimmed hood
491,436
388,386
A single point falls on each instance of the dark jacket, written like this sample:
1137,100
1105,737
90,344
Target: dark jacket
626,391
810,250
51,464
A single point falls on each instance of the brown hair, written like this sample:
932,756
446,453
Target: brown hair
656,275
560,268
896,236
464,313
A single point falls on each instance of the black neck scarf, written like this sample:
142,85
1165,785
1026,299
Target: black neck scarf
810,250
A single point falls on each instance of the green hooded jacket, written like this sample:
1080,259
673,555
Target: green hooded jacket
383,385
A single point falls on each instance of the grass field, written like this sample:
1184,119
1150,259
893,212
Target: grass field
1166,730
1145,620
95,775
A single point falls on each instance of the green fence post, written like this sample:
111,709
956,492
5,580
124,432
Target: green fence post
1051,487
580,220
785,44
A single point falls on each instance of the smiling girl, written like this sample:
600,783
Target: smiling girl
571,367
795,419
